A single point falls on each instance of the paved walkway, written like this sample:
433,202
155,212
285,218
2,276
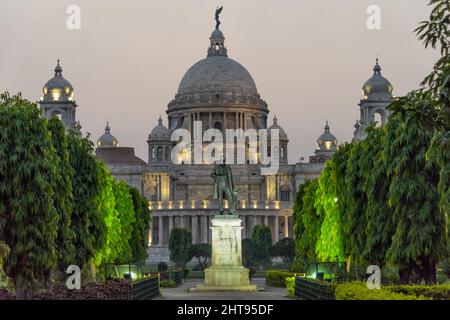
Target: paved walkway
264,293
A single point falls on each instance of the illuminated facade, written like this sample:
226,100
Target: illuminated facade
221,94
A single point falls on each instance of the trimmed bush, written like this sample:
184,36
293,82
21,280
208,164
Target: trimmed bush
435,292
359,291
290,285
276,278
167,284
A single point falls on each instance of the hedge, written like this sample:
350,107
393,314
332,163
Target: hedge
435,292
359,291
276,278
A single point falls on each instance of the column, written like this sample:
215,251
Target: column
244,228
224,127
204,229
160,231
209,230
275,238
210,120
171,218
286,226
266,220
194,229
237,120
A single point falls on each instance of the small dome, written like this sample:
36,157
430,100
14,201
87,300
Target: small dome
58,88
107,140
275,125
327,141
377,88
159,132
217,34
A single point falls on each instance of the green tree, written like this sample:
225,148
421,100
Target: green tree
285,249
419,239
252,254
307,222
106,206
201,252
88,223
329,246
139,241
125,209
28,218
63,196
379,226
180,242
262,236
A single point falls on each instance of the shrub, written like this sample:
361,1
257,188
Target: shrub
435,292
290,285
162,266
167,284
359,291
276,278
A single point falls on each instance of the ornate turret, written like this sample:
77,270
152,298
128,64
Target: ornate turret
107,140
377,95
58,99
326,146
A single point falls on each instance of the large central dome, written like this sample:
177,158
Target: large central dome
218,74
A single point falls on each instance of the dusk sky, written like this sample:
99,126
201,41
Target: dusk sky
309,58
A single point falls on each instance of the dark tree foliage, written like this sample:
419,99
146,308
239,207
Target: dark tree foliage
262,236
139,241
180,242
63,196
419,238
284,249
252,254
28,218
201,252
379,226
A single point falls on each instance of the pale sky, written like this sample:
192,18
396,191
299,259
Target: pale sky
309,58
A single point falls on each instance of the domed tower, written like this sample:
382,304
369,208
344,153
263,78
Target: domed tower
159,144
107,140
377,95
283,152
58,99
326,146
218,92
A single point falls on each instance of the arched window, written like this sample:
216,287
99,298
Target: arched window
283,155
153,153
378,119
159,154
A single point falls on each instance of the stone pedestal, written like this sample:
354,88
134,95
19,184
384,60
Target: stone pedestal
226,272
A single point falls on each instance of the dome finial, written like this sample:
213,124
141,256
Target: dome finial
58,69
275,120
218,11
327,127
107,128
160,121
377,68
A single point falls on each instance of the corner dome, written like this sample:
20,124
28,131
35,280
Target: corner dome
275,125
160,132
377,88
107,140
58,88
327,141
